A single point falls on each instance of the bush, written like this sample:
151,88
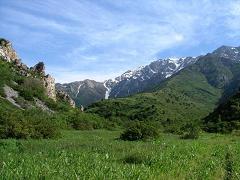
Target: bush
86,121
138,131
59,106
28,124
30,88
190,131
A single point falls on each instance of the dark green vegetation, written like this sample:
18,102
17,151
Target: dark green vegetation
190,131
225,118
188,96
28,124
139,131
99,155
30,121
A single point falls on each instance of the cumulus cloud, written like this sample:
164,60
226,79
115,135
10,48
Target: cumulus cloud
99,38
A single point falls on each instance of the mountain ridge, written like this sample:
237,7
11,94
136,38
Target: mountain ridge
144,78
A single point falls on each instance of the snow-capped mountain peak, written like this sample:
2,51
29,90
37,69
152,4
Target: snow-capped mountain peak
131,81
228,52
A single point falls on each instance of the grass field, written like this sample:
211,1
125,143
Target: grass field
100,155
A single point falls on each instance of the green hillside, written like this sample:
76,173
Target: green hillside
186,97
26,111
225,118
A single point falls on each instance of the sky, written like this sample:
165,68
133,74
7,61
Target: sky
101,39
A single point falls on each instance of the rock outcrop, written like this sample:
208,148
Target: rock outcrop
48,80
11,95
65,97
39,68
7,52
49,84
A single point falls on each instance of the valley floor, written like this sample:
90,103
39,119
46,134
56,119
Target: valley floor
100,155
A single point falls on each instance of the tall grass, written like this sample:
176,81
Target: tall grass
99,155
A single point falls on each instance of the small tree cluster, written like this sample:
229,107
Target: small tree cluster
138,131
190,131
86,121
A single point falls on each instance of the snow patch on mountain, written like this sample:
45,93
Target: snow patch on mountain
164,67
78,89
107,93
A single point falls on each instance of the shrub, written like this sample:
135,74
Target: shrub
86,121
30,88
138,131
190,131
28,124
59,106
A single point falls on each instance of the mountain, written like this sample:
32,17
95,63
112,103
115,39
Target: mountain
188,95
84,92
145,78
129,83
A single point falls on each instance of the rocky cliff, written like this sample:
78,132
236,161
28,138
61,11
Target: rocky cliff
7,53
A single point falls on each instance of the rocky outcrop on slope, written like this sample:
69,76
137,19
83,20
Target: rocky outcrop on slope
65,97
49,84
6,51
40,68
9,54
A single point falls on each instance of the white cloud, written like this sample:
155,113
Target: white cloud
115,35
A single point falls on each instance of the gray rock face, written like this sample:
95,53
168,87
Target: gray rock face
49,84
228,52
7,51
65,97
42,105
11,95
84,92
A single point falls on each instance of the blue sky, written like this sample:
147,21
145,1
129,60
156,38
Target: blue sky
100,39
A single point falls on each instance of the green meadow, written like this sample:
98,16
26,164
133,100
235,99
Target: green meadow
99,154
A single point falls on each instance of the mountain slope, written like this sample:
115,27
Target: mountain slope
188,95
131,82
145,78
84,92
225,118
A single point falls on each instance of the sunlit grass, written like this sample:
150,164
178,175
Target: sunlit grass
100,155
